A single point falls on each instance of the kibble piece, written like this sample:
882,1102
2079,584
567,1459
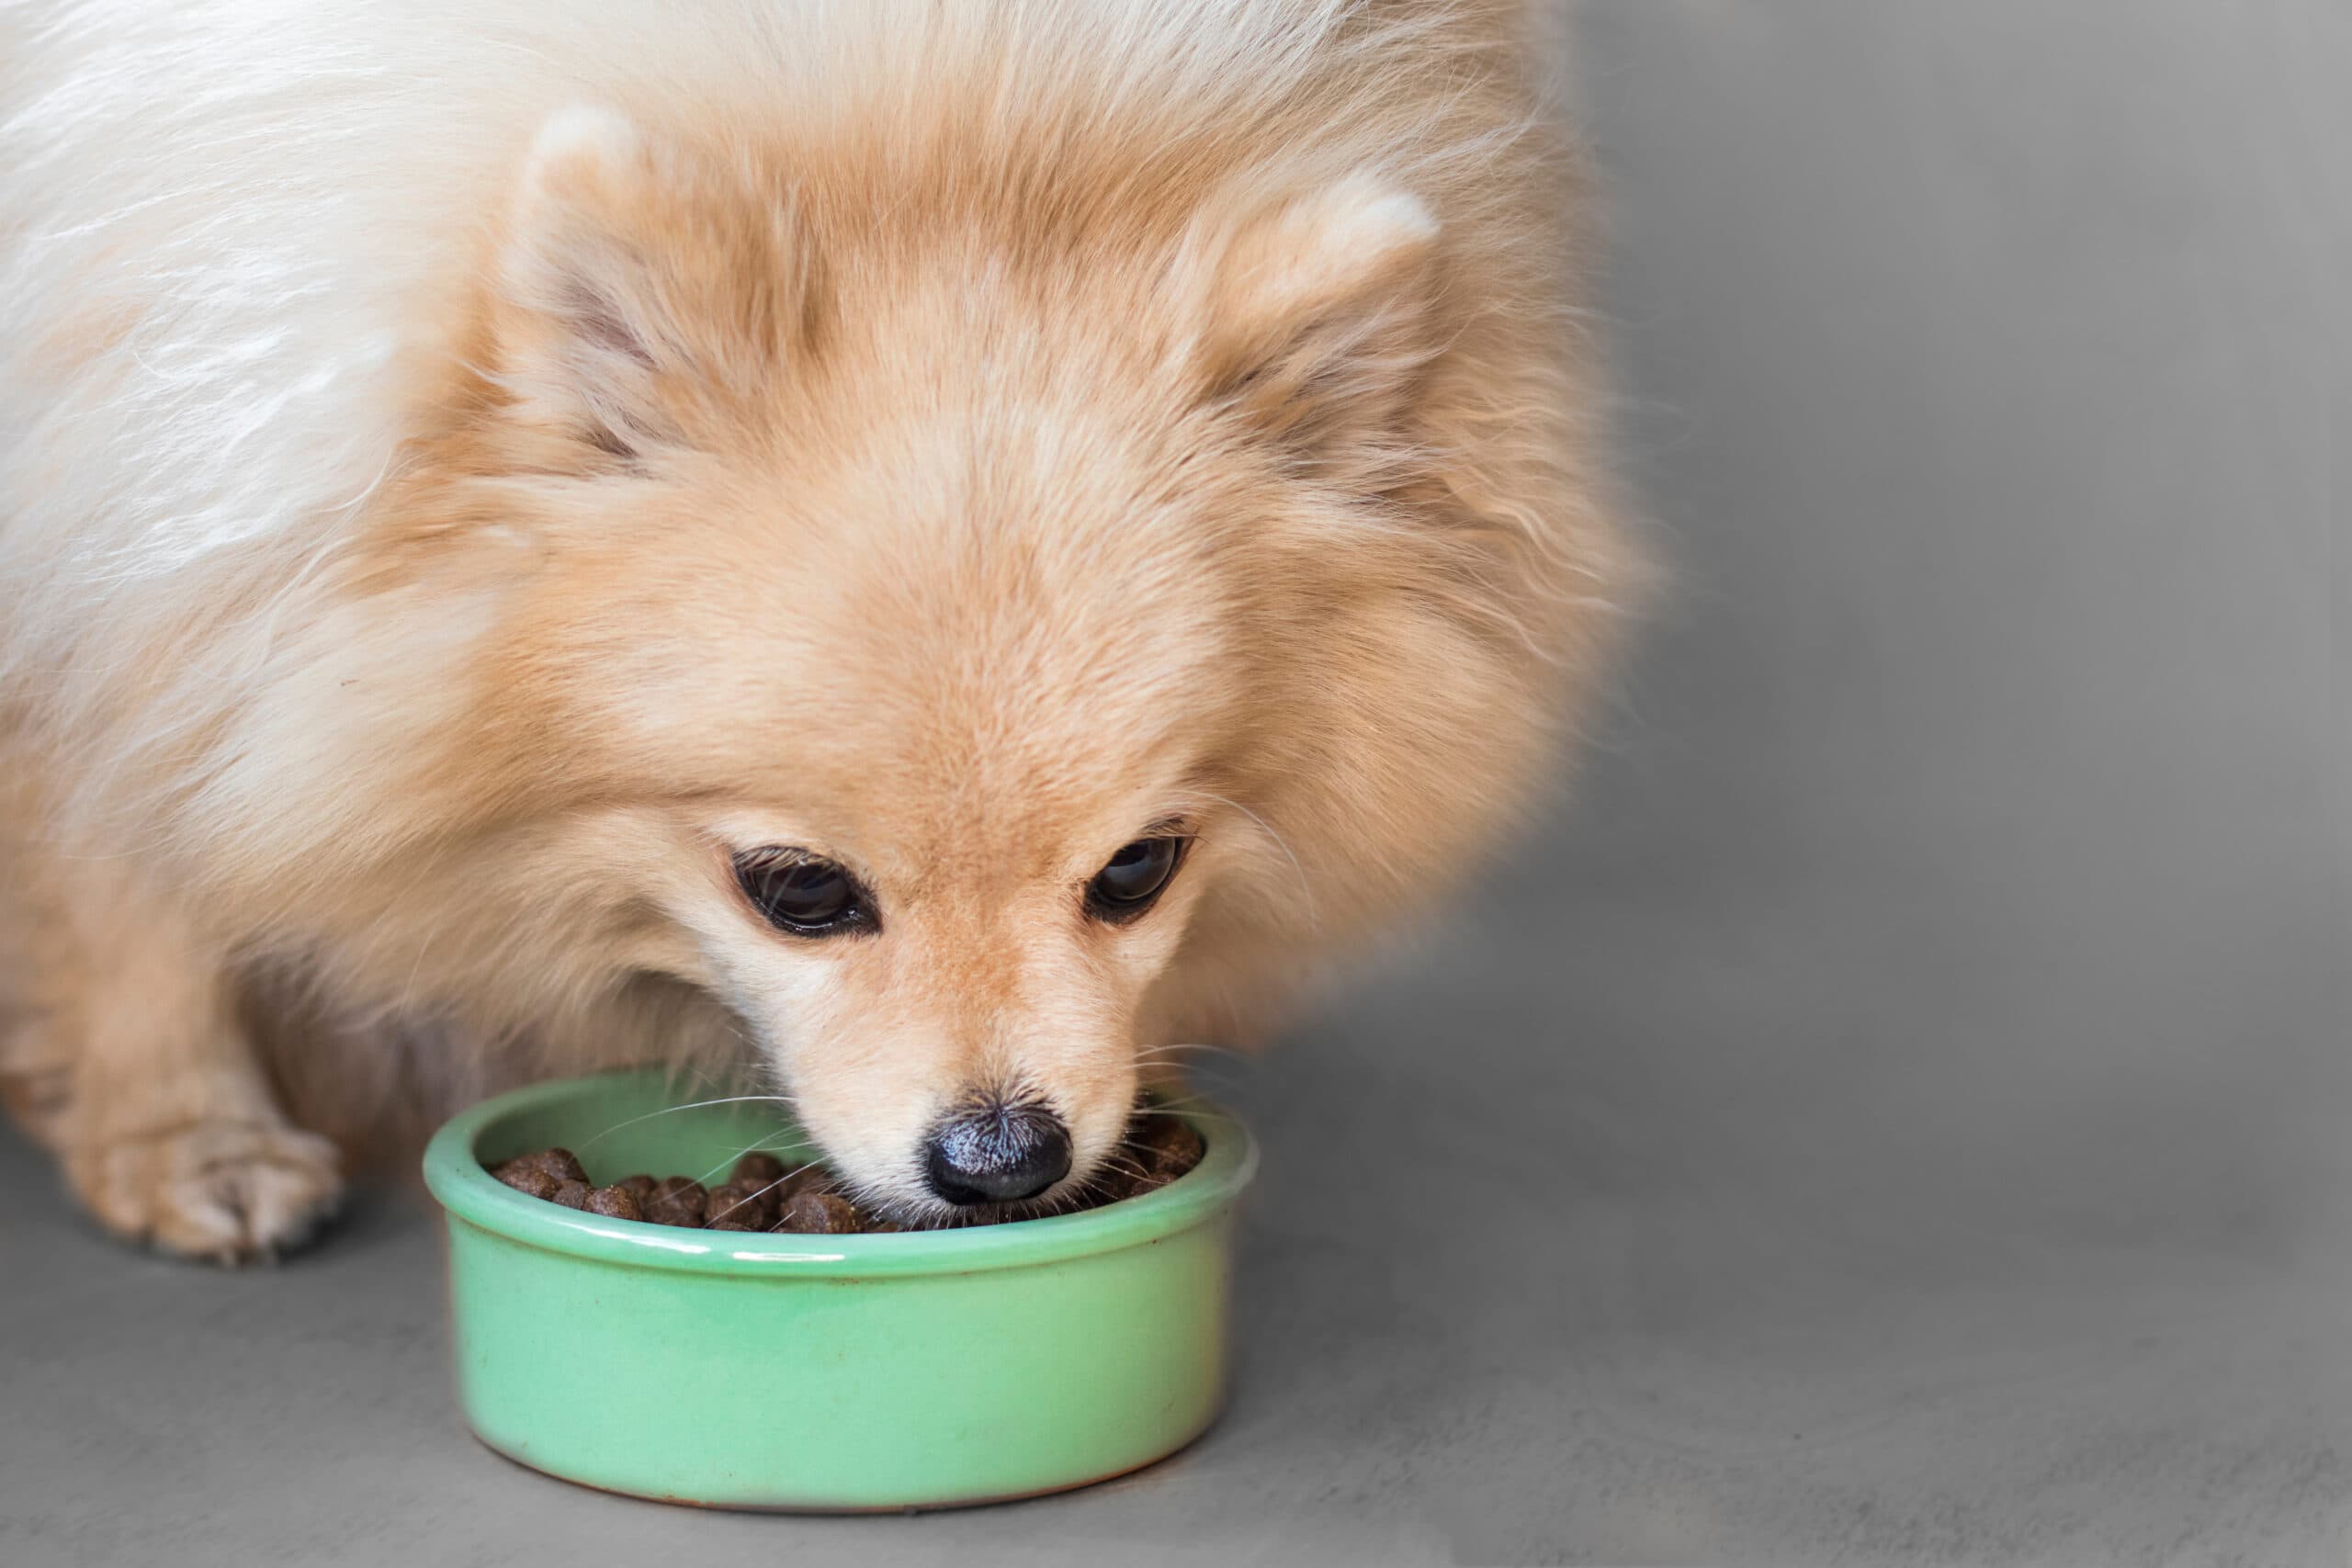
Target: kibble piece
616,1202
639,1186
883,1227
756,1171
525,1177
729,1226
818,1214
739,1204
678,1200
1122,1177
1169,1146
559,1163
809,1177
570,1194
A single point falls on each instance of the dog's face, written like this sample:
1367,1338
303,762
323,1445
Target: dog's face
941,712
970,657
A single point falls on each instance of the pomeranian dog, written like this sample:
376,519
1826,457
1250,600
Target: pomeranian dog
928,552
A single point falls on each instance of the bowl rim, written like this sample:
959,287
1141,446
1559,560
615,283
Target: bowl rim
456,1178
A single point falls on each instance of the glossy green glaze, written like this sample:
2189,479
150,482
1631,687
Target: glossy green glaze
819,1373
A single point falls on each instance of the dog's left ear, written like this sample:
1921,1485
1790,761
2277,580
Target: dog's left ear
1313,313
640,287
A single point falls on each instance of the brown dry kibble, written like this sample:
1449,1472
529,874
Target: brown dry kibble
756,1171
1157,1150
741,1204
763,1196
524,1176
1165,1145
559,1163
805,1178
678,1200
1119,1178
616,1203
818,1214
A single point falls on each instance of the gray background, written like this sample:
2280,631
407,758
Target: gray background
1893,1119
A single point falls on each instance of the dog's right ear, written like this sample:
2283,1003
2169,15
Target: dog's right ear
639,289
1313,313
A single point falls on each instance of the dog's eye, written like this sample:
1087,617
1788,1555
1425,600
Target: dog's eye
802,894
1135,876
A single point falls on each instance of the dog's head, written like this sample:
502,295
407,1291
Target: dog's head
979,637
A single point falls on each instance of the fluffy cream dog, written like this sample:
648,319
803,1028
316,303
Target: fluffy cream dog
934,548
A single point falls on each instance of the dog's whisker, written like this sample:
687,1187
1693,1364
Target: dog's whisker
771,1187
758,1146
1179,1109
690,1105
1208,1057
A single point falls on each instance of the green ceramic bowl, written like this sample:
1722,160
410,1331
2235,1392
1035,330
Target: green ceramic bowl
919,1369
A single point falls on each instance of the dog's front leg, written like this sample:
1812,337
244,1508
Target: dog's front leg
168,1130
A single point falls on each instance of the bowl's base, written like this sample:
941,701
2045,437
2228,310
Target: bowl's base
857,1508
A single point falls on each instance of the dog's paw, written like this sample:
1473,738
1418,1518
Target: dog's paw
228,1192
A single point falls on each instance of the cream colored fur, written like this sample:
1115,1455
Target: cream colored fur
465,469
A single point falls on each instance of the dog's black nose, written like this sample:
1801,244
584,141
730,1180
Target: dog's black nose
996,1154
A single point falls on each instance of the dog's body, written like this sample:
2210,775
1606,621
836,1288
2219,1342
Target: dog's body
510,512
